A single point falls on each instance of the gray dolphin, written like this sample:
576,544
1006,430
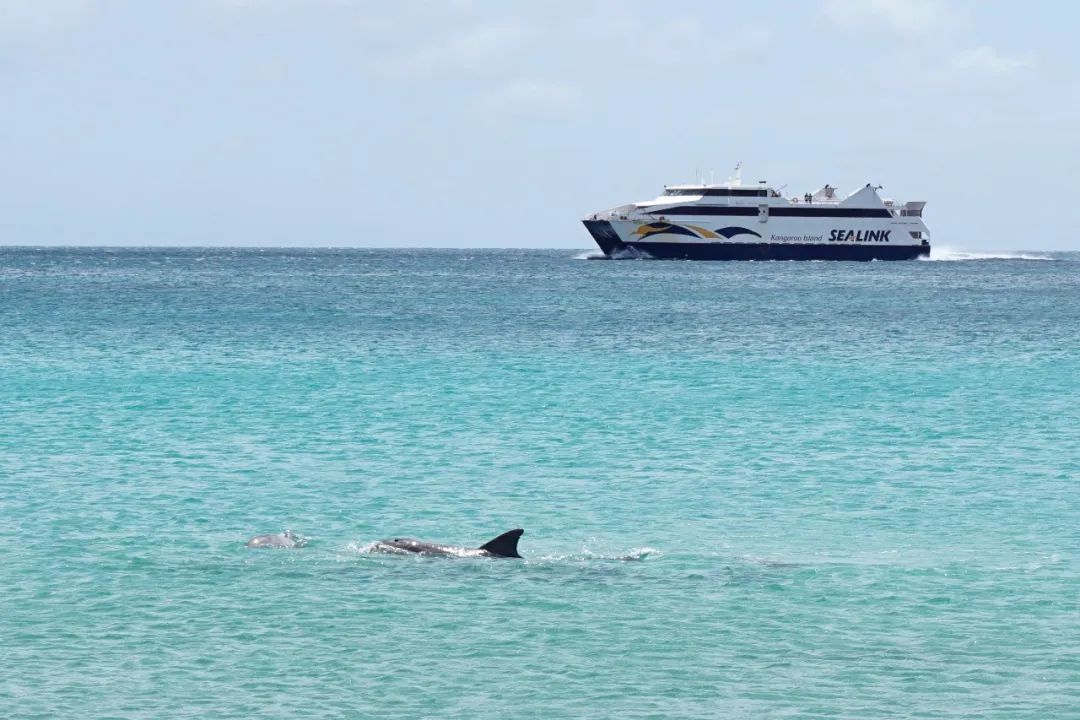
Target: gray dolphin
287,539
503,546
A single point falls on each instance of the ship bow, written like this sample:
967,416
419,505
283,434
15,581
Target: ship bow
605,236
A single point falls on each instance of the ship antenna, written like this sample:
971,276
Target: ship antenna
736,179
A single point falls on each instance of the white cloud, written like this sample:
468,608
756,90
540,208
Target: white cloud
264,4
474,49
613,29
532,95
19,16
986,61
682,40
909,17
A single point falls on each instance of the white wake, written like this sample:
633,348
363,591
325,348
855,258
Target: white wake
947,254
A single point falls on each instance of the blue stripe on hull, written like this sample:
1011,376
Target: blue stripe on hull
609,242
780,251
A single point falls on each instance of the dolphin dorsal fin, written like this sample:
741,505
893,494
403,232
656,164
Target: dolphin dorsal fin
505,545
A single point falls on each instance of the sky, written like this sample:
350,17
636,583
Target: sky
480,123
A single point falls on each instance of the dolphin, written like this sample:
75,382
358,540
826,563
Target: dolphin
503,546
287,539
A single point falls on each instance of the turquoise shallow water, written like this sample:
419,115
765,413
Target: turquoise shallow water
845,490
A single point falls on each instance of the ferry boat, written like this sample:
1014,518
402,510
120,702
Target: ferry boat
731,222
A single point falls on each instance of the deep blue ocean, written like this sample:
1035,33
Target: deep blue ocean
806,490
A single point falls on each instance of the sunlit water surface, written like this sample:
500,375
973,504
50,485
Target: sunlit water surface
749,489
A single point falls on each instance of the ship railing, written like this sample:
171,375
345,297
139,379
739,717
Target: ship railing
622,212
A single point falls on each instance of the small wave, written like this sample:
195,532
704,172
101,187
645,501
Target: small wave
586,555
361,548
950,255
631,253
626,253
772,563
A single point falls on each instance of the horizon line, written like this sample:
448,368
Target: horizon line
424,247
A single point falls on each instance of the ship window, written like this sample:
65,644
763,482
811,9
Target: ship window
736,192
719,192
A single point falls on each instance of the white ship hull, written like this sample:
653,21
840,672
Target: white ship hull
710,238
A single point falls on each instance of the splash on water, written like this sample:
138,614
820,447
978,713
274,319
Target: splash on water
587,555
625,253
946,254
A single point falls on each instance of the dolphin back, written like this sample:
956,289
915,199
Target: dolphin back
287,539
505,545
